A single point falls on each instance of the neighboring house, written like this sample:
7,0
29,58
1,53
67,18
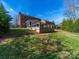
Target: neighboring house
25,21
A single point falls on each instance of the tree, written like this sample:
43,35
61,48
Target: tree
68,25
71,8
4,20
71,12
53,23
76,25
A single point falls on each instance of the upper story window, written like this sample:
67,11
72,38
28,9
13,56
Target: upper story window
33,22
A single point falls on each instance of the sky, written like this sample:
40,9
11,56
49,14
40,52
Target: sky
51,10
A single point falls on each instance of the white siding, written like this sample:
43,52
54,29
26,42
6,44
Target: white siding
37,29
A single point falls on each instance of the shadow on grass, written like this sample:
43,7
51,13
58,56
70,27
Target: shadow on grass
14,33
49,32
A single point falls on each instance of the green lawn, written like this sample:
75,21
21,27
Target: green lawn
40,46
20,28
69,39
18,32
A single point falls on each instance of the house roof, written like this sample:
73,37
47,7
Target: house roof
29,17
34,18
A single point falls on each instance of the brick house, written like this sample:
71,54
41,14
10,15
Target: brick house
25,21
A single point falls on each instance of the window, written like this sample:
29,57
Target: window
45,25
28,24
37,25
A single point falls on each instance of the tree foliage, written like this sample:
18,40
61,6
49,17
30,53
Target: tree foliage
71,7
70,25
4,20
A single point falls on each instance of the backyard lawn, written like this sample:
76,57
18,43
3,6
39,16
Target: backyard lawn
17,32
44,45
69,39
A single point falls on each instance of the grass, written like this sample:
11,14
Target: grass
69,39
18,32
28,47
21,31
20,28
36,47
